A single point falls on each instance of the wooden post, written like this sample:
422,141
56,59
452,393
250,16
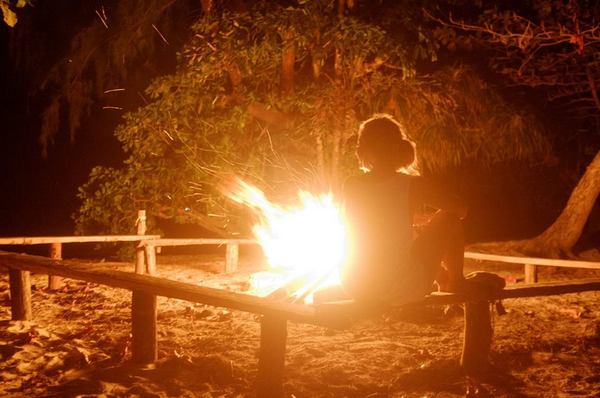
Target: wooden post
150,251
143,327
139,253
273,335
54,282
231,258
477,337
531,274
20,294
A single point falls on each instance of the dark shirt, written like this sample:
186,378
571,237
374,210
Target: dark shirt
379,210
379,218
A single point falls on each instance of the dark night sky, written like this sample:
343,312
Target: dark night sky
39,195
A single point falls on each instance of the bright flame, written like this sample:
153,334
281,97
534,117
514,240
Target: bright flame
304,245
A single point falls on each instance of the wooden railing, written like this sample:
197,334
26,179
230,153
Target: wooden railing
55,245
231,250
530,264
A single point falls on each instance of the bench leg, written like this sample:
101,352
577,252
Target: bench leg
20,294
143,327
273,335
477,337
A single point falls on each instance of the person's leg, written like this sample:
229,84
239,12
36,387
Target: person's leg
441,240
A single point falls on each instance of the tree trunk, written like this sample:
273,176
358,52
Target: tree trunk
287,62
335,158
317,56
235,75
207,6
562,235
320,157
337,64
341,7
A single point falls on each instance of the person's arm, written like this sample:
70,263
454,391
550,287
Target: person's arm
425,192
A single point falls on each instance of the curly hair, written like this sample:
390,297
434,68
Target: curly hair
383,145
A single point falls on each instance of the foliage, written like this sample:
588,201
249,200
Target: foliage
8,14
225,111
114,43
547,44
553,45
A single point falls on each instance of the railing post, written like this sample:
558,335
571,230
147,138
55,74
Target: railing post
144,347
54,282
231,257
139,252
531,274
150,251
20,294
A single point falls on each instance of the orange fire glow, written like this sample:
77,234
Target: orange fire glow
304,245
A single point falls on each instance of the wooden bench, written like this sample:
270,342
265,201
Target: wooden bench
275,314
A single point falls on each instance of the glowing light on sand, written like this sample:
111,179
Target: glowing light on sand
304,244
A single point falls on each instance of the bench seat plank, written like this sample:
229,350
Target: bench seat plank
95,273
350,308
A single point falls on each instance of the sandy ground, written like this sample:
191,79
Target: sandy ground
79,345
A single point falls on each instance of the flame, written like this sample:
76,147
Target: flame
304,245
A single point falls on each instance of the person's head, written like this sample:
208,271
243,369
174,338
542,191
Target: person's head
383,146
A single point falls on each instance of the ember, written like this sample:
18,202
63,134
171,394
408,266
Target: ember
304,245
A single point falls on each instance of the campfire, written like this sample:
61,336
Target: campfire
304,244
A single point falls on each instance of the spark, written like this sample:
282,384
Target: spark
112,90
102,18
160,34
168,135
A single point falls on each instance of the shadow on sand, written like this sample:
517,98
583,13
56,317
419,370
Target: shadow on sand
446,376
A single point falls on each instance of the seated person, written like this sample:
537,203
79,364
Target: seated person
385,262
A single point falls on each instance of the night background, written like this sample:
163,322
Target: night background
108,107
510,196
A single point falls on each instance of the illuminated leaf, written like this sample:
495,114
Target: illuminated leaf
10,18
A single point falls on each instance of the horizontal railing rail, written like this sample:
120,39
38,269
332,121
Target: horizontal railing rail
531,263
44,240
231,249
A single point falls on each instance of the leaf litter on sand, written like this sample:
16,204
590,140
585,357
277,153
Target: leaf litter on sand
79,344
